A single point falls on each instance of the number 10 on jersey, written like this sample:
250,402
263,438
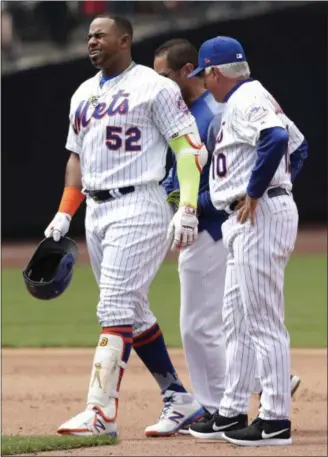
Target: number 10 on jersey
219,165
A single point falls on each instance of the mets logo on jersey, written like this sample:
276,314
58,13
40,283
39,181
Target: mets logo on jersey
181,104
91,109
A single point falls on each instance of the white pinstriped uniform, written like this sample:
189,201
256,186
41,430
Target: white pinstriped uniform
250,109
253,310
122,141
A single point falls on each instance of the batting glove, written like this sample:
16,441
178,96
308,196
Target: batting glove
58,227
183,227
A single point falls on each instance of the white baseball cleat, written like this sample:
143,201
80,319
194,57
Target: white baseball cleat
180,409
91,422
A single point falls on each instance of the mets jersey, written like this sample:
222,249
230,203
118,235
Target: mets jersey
120,129
207,113
249,109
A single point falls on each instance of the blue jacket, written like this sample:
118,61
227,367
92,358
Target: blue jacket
207,113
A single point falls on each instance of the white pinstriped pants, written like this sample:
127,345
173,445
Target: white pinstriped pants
253,309
202,268
126,240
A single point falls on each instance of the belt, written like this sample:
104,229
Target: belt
108,195
271,193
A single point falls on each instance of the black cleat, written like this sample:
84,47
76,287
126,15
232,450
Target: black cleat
261,433
213,428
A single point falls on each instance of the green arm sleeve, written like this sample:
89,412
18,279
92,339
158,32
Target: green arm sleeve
187,171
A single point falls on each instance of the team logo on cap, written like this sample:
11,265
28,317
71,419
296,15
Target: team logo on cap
207,60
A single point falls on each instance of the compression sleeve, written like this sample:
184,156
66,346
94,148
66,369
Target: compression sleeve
188,169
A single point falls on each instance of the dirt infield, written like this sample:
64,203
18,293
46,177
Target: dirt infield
309,241
43,388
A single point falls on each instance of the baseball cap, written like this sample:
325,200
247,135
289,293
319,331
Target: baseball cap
218,51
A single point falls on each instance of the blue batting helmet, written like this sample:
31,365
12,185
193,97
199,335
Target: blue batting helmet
50,269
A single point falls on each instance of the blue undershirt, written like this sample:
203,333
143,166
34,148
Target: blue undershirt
104,79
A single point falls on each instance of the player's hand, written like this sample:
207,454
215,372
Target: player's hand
183,227
246,209
58,227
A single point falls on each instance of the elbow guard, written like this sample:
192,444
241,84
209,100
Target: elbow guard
189,143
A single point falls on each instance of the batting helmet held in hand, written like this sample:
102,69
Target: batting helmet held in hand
50,269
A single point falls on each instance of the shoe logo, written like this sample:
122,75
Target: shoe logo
271,435
223,427
99,426
176,417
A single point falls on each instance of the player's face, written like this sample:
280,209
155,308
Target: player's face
105,42
212,82
162,67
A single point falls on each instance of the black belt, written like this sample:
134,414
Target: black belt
107,195
273,192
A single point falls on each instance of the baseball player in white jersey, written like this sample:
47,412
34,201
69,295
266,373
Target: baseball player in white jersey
257,155
202,266
121,121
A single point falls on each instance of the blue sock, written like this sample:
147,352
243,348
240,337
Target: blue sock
151,349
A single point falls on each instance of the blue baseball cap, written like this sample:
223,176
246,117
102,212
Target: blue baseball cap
218,51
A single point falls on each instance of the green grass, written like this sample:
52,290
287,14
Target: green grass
306,301
71,319
16,444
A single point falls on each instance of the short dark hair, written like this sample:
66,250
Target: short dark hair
178,52
121,22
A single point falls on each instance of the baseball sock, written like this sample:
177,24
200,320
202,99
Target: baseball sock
150,347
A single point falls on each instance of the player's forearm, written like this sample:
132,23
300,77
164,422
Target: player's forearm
272,146
72,196
73,176
189,164
189,178
297,158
